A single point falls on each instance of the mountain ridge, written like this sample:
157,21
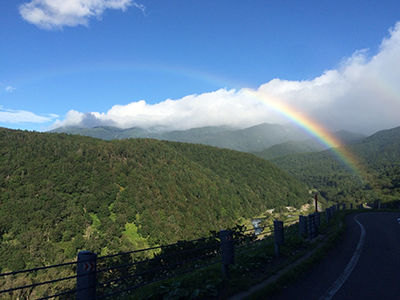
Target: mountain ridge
253,139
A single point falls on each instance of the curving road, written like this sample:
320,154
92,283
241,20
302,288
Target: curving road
364,265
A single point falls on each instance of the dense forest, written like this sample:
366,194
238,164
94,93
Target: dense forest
379,157
307,145
61,193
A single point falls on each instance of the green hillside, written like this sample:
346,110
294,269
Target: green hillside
308,145
379,155
289,148
61,193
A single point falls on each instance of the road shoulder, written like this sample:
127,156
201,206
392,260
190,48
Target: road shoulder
316,277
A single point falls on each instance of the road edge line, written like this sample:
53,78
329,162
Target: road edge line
335,287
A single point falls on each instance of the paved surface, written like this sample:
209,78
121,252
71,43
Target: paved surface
376,274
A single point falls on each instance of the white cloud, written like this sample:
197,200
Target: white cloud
53,14
22,116
362,94
140,6
10,89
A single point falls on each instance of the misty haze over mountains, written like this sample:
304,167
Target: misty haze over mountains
252,139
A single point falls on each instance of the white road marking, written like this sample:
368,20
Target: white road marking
350,266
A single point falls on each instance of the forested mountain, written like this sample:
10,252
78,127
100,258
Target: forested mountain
255,138
308,145
264,140
61,193
379,156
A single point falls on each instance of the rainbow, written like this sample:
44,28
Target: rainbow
313,129
126,66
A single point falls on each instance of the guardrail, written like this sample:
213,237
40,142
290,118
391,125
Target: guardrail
101,277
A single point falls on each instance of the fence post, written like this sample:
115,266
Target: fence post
227,251
302,226
338,207
317,219
86,276
328,213
351,205
344,206
279,238
311,226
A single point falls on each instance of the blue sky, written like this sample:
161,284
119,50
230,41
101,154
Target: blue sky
73,61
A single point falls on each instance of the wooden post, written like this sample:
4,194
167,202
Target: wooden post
316,202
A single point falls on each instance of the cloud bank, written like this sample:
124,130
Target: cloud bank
54,14
362,94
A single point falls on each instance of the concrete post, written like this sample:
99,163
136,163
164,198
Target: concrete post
86,276
227,251
279,237
302,226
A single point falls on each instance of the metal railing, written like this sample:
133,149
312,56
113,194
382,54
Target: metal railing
111,275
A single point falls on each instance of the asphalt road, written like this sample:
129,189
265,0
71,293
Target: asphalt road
372,272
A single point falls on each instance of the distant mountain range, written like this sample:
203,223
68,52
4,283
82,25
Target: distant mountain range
270,140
